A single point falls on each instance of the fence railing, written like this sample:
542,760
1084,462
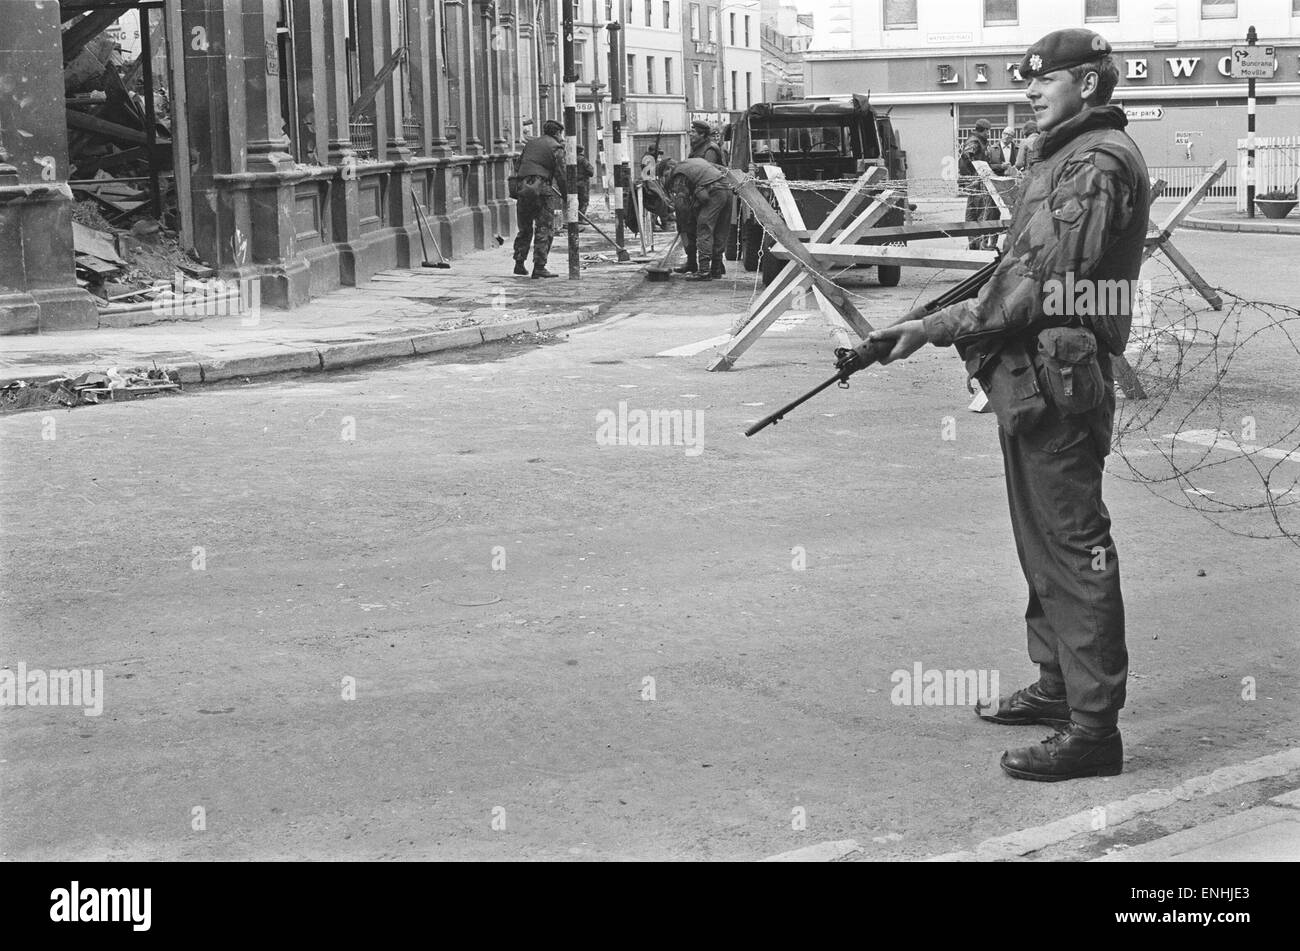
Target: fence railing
1181,179
1277,165
362,135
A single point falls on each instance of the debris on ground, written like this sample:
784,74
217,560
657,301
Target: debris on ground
93,386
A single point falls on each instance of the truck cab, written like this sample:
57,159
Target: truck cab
831,139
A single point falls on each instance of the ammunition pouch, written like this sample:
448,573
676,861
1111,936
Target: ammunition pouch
1068,370
1006,373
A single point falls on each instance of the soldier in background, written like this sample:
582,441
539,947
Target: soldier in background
702,188
975,150
1028,136
585,174
702,144
541,172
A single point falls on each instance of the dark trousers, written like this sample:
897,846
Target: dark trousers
977,210
535,217
712,222
584,197
685,214
1075,616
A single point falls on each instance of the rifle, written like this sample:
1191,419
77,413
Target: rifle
850,361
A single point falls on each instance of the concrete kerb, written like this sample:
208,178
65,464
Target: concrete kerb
352,353
1193,223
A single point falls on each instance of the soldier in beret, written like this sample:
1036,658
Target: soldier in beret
702,144
541,171
1082,212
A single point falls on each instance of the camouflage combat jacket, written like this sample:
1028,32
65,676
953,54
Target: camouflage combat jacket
1081,220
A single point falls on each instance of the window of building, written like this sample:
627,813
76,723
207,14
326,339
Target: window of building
668,15
747,30
631,72
749,90
1001,12
649,13
1100,10
713,26
650,75
579,59
668,75
715,81
1219,9
734,100
695,21
628,15
733,28
697,85
900,14
1295,8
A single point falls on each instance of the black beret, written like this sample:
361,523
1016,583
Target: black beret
551,126
1063,49
702,126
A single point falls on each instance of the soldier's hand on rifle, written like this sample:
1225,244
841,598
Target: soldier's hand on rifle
908,338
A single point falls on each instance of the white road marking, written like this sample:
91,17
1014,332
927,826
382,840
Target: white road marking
1227,442
821,852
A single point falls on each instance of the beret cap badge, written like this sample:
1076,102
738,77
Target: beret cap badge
1035,62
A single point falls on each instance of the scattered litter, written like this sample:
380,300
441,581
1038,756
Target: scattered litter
93,386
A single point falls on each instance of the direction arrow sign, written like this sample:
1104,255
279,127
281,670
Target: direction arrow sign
1136,113
1253,62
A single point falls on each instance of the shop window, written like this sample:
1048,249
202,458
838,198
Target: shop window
1219,9
1001,12
1100,10
900,14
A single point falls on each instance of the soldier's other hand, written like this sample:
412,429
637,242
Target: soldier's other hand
908,337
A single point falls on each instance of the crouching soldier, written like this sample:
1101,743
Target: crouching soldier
541,176
702,188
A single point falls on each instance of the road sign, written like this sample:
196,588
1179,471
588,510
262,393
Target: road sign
1253,62
1138,113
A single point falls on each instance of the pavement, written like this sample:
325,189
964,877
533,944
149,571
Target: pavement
399,313
647,672
1215,217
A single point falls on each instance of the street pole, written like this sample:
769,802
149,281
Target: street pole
1251,38
616,127
571,142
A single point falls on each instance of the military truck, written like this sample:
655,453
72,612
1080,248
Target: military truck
822,138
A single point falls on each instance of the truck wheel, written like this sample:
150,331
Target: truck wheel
751,244
889,275
732,251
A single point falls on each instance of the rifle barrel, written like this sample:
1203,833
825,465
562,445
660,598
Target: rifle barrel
776,417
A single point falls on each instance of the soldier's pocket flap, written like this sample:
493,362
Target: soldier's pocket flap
1068,210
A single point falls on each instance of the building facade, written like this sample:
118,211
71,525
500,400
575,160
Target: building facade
742,55
941,66
300,132
786,36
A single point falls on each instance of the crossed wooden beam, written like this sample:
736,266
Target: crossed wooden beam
834,242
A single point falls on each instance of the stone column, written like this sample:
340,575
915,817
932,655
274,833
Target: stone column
38,288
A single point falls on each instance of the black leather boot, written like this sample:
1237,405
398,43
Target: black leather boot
539,270
1072,753
521,268
690,267
1027,707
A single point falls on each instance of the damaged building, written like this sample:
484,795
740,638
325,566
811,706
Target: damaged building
282,141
